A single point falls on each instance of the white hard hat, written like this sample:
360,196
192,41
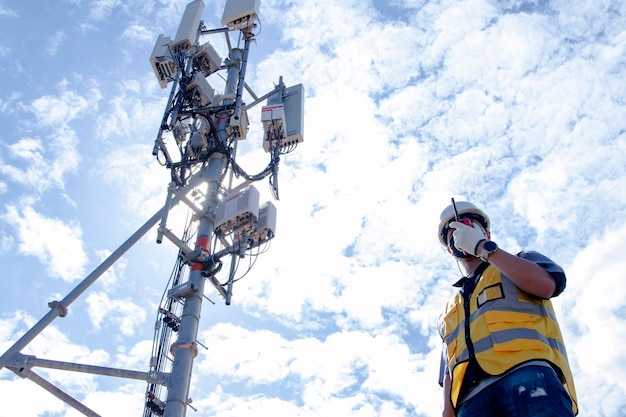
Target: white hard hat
463,207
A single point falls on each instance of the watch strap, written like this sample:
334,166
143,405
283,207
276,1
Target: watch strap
484,253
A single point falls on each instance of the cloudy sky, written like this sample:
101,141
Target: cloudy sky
517,106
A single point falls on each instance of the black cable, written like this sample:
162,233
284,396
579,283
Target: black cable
252,263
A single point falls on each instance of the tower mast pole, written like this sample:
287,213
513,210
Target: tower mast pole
185,348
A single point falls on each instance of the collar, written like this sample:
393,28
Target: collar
477,272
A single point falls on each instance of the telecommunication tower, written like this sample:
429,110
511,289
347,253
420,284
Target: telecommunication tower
197,142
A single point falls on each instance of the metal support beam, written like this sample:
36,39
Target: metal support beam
28,361
57,392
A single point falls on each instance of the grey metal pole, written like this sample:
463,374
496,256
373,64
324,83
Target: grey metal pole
242,76
185,348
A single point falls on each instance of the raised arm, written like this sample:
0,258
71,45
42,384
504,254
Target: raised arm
526,275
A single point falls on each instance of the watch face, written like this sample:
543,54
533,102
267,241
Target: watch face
490,246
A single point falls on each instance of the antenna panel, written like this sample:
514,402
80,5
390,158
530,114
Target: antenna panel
188,29
239,127
207,60
240,14
266,225
162,62
274,125
202,87
292,100
238,212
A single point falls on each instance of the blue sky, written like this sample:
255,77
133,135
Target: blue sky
517,106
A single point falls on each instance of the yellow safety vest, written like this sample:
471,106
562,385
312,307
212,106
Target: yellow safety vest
507,327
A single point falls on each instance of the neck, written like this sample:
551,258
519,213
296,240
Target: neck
469,265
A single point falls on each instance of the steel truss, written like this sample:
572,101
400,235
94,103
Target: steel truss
206,136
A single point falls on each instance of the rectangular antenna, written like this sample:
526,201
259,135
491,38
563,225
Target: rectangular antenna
266,225
207,59
238,212
203,88
189,25
162,62
240,14
292,100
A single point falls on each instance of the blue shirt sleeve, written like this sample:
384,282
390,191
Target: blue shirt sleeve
443,366
555,271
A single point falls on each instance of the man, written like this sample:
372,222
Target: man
503,353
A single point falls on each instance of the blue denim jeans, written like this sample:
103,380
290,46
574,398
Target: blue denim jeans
530,391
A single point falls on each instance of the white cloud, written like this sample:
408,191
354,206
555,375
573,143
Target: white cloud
5,11
57,245
221,404
59,110
585,172
131,112
147,191
138,357
46,165
110,278
55,42
6,243
28,149
593,311
102,9
27,399
347,369
137,33
42,162
129,164
124,314
127,400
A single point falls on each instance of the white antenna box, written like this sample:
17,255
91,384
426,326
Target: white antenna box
207,59
188,30
162,61
240,14
238,212
202,87
266,225
292,100
239,127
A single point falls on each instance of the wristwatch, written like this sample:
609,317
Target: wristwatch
489,247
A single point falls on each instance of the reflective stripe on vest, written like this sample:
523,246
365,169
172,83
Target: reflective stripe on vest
508,327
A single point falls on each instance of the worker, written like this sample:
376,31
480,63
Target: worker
503,353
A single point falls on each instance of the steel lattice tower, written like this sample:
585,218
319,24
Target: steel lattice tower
197,142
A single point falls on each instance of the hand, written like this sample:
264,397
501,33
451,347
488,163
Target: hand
467,238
